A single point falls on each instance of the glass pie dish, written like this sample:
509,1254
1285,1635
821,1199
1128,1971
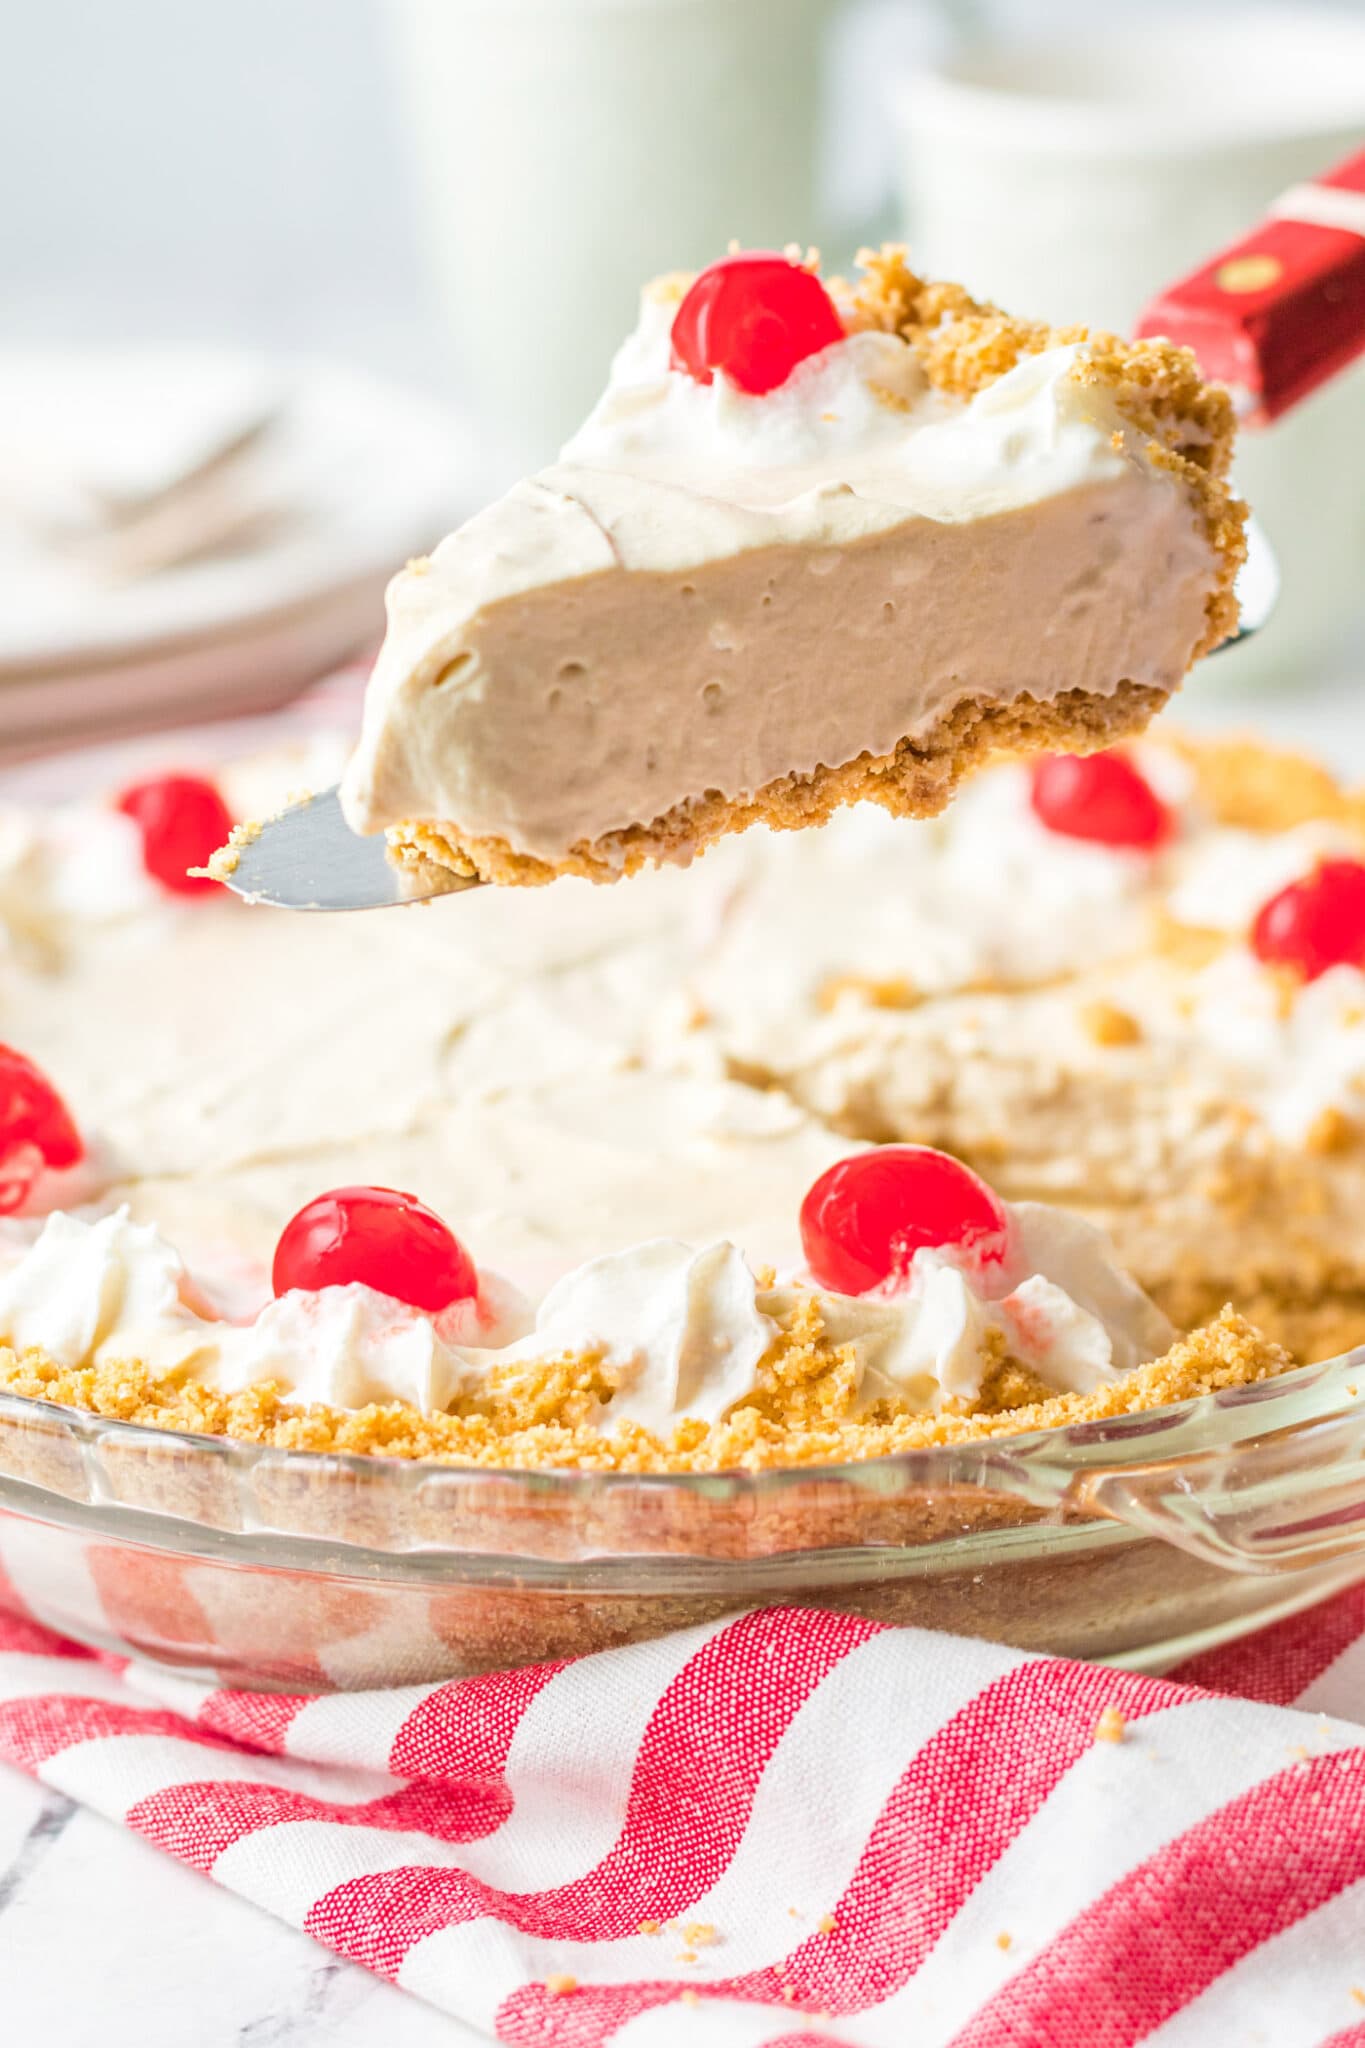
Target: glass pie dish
1139,1539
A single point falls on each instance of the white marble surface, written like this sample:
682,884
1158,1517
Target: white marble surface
107,1943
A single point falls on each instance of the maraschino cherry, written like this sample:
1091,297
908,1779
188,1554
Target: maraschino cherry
755,316
36,1129
866,1217
1101,797
183,820
1315,923
381,1238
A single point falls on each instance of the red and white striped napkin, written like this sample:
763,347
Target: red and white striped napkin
787,1827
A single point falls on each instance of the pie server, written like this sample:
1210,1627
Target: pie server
1272,317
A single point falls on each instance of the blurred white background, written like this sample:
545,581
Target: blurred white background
187,172
267,175
173,170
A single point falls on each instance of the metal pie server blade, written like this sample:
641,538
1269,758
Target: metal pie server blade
308,858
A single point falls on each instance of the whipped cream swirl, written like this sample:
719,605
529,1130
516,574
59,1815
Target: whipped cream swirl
862,411
113,1291
681,1332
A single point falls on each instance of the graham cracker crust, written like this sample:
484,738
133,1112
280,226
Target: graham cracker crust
536,1574
1311,1326
917,780
533,1416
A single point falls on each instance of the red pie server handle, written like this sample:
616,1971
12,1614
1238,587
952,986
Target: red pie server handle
1283,309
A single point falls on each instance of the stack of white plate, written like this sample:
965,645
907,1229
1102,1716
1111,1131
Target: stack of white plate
190,534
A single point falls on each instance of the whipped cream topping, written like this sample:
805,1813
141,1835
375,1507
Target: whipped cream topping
675,606
881,968
983,896
862,417
1227,874
65,870
838,409
114,1291
1058,1303
681,1331
82,1288
1292,1054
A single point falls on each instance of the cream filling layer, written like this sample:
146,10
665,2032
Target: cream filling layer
659,616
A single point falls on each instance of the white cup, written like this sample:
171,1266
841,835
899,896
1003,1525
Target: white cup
567,150
1071,179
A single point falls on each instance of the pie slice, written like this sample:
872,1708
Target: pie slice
812,546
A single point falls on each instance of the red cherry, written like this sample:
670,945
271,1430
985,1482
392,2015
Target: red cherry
384,1239
755,316
36,1129
1100,797
1316,923
183,820
866,1217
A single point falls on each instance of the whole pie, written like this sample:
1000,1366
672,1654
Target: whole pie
885,1135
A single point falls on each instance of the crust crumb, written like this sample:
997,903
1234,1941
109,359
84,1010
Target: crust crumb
1107,1024
224,862
1330,1131
890,992
1111,1726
